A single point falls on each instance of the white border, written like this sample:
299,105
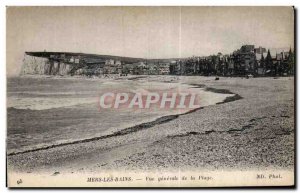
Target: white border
153,2
5,3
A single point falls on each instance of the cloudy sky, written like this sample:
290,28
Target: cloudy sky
149,32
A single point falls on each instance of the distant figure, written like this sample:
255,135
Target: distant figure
217,78
249,76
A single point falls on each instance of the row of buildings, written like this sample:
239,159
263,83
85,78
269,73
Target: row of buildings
244,61
111,66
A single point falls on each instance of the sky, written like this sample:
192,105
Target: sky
144,32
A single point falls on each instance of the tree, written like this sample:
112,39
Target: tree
268,62
291,62
262,61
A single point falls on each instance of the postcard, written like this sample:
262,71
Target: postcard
182,96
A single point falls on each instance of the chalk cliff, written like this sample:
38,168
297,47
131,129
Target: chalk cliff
42,66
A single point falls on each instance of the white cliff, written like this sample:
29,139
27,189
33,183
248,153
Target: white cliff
42,66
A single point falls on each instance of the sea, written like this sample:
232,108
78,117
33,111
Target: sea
47,111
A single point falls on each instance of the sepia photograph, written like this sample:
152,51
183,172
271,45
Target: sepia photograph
150,96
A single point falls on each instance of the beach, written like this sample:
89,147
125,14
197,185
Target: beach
252,130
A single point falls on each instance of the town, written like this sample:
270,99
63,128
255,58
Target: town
246,61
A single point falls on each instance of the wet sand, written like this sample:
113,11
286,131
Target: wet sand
254,132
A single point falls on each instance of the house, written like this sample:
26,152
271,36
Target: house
164,68
174,67
153,68
112,67
142,67
109,62
244,60
260,50
77,60
72,59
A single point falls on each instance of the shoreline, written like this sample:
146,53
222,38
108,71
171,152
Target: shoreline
138,127
201,139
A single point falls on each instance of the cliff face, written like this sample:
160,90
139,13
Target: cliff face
34,65
42,66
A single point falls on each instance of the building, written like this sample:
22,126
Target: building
260,50
164,68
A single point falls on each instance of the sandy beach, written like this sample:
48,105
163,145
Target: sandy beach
254,132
